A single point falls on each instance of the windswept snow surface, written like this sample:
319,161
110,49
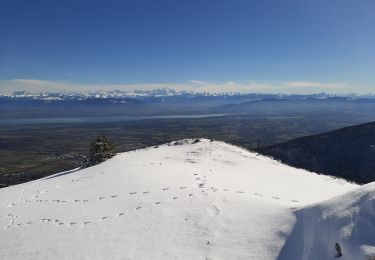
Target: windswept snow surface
183,200
348,220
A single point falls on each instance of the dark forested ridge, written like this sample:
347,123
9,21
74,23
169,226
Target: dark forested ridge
348,153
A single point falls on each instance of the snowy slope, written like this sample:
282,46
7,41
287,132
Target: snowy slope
184,200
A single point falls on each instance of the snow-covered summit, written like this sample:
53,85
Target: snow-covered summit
190,199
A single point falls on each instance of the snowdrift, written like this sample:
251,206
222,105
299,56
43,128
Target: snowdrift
347,220
191,199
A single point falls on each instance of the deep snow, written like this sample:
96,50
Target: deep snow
348,220
186,200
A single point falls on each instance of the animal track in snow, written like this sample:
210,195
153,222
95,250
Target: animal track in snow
200,182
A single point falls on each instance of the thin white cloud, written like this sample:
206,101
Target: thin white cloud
308,84
304,87
303,84
198,82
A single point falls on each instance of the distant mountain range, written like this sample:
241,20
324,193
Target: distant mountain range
347,153
167,92
165,101
138,94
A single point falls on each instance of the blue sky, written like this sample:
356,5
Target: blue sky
296,46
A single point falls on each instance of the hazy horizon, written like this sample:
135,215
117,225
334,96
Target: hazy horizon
292,87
